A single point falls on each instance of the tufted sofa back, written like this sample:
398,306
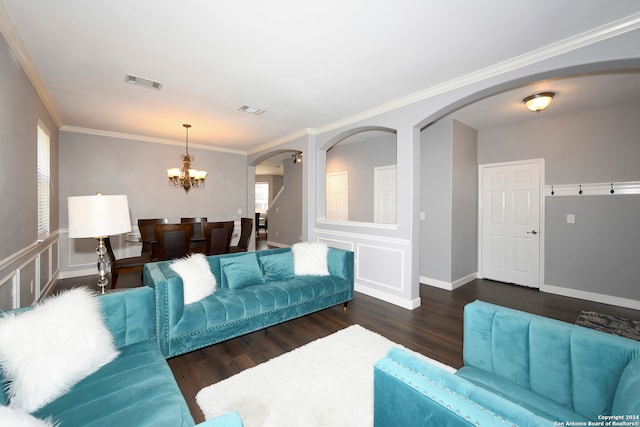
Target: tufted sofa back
576,367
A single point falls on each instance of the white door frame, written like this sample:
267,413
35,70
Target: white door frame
541,233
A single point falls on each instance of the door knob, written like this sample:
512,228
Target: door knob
532,232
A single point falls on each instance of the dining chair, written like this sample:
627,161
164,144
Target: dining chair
124,265
198,232
263,226
149,246
217,236
246,225
173,240
193,220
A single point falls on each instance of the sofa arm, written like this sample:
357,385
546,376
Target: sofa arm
340,263
130,315
411,391
169,299
230,419
627,397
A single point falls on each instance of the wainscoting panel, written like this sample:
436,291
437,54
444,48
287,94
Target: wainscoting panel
8,294
28,292
339,244
28,275
382,265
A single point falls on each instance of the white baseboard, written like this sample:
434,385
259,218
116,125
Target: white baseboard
393,299
449,286
78,273
591,296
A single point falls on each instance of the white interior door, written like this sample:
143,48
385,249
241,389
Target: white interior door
338,196
510,222
384,198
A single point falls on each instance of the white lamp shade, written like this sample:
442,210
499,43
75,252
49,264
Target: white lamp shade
98,216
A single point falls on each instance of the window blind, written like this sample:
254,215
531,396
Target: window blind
43,181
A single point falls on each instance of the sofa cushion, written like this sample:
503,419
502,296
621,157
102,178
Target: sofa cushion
310,259
277,266
521,396
67,327
197,279
227,306
241,271
137,388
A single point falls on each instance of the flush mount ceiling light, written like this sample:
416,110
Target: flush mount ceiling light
251,110
539,101
186,177
139,81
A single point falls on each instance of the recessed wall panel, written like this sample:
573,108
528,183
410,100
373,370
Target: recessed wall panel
380,266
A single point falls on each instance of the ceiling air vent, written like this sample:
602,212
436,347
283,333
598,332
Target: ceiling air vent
251,110
139,81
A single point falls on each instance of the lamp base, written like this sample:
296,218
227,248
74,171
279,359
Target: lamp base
103,280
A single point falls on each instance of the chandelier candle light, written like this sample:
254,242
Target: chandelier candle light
186,177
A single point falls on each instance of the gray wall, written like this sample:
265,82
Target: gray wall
21,281
448,199
359,159
435,201
598,253
285,215
20,109
91,163
464,232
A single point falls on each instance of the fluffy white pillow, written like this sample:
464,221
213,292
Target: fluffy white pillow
15,418
310,259
197,279
46,351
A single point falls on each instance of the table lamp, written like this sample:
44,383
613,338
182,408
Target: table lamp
98,216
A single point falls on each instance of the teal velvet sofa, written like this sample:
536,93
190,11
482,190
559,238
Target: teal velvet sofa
519,370
235,309
137,388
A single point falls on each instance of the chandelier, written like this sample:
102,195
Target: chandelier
187,178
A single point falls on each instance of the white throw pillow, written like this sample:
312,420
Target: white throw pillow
197,279
310,259
15,418
44,352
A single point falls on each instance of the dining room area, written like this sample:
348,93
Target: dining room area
161,240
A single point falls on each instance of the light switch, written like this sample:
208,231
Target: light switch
571,219
423,216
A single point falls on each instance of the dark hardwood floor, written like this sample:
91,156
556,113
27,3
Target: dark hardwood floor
434,329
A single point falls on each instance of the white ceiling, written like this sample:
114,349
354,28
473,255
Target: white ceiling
308,64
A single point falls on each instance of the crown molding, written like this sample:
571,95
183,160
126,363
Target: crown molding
595,35
24,59
119,135
279,141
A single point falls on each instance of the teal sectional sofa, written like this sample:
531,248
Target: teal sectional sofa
137,388
242,302
519,369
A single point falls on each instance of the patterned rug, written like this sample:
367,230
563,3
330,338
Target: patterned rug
610,324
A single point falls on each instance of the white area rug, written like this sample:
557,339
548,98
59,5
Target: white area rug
328,382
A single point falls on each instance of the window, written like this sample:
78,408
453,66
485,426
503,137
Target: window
262,197
44,181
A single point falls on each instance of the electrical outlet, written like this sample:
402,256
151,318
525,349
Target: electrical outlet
571,219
